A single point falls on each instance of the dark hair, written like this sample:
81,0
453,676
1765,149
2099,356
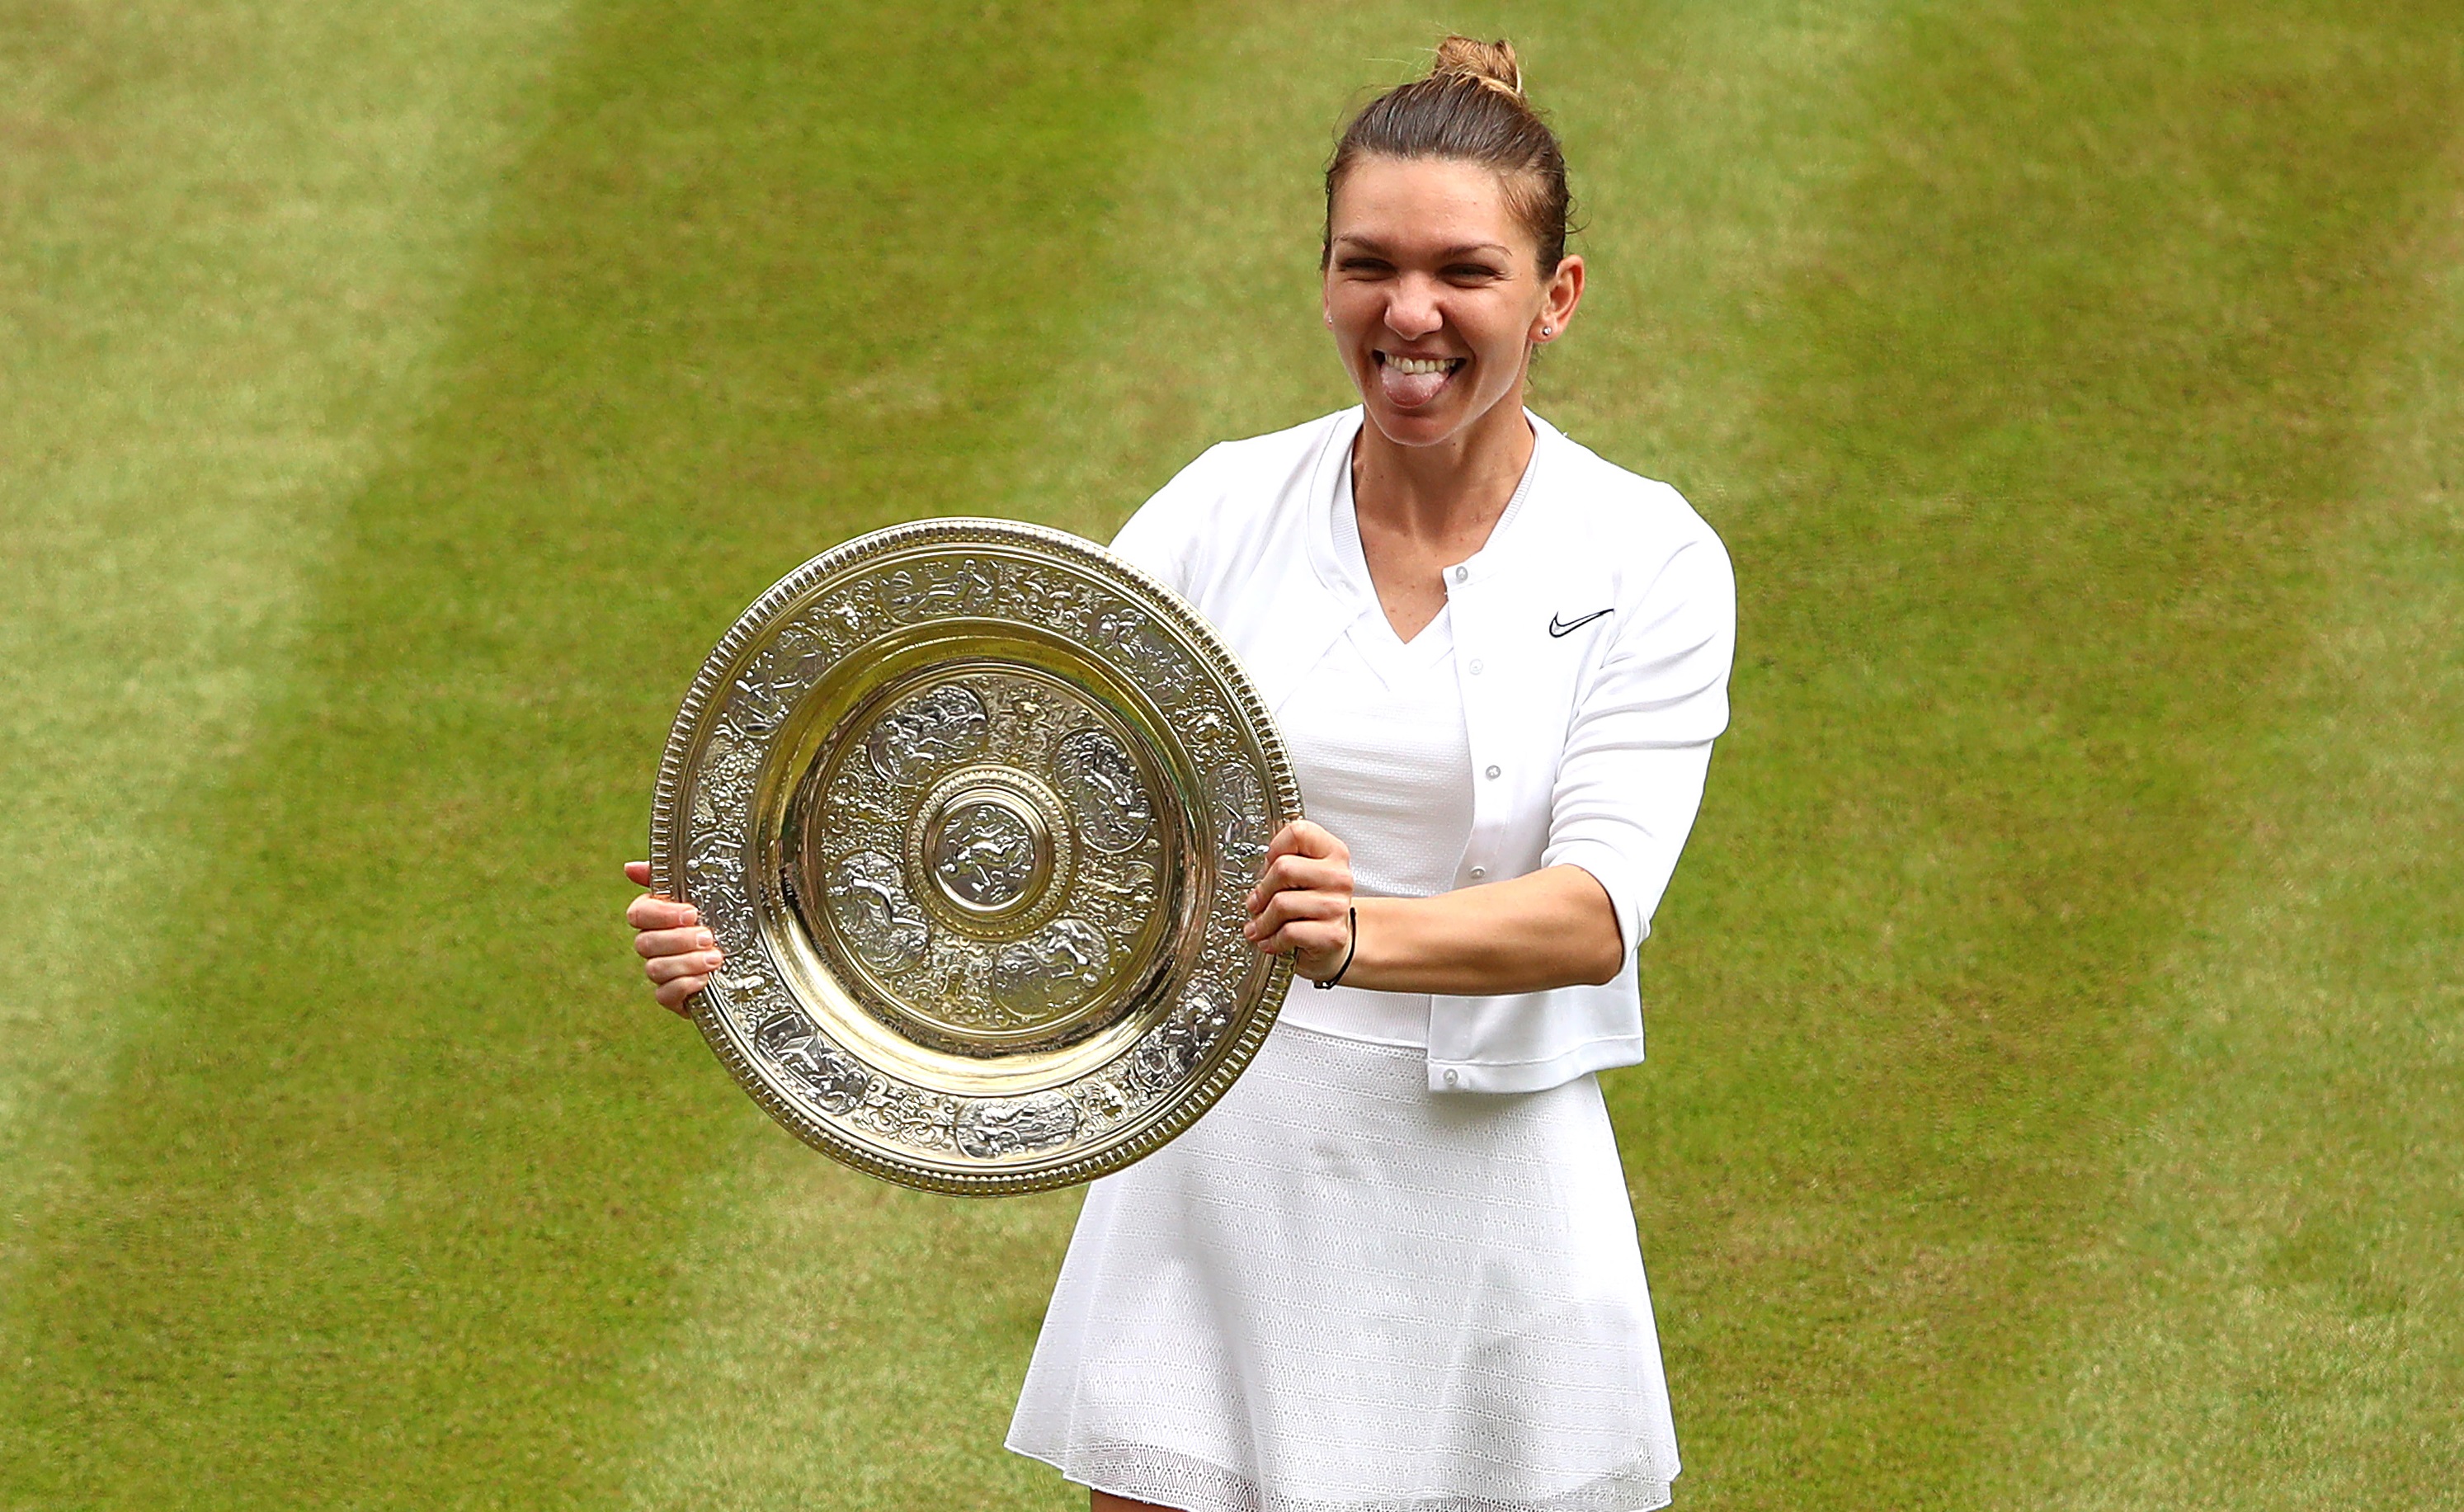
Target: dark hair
1468,109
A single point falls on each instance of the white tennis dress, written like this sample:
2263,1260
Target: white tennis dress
1340,1292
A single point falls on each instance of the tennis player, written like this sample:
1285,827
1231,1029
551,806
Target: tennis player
1394,1268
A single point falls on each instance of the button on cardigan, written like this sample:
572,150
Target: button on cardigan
1606,620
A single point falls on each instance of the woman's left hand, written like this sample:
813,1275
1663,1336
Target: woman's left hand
1301,904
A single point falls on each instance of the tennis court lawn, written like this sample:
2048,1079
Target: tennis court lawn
2055,1023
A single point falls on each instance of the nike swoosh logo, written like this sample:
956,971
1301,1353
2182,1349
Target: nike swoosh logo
1563,628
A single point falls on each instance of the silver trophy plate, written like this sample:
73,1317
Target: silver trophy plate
972,807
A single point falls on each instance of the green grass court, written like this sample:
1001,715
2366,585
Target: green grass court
2057,1092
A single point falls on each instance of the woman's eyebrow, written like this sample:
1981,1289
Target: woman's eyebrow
1370,244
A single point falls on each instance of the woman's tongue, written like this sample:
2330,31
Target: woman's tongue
1411,390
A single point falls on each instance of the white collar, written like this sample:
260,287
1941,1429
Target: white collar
1336,565
1302,635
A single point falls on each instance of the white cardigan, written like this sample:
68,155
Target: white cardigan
1593,640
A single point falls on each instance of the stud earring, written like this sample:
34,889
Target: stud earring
1548,331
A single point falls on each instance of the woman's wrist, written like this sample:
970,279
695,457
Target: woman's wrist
1351,949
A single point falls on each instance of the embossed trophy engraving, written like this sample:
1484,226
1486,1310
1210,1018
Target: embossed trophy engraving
971,808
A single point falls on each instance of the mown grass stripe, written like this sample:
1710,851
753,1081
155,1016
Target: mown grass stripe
387,1217
229,237
2286,1311
2051,415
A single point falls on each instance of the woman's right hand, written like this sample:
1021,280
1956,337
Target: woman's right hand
677,953
1302,905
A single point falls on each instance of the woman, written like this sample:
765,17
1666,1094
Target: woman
1396,1266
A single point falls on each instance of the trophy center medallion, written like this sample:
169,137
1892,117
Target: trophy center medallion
988,852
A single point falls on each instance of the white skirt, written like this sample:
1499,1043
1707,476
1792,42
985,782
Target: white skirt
1340,1292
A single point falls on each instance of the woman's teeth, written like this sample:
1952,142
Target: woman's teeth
1411,381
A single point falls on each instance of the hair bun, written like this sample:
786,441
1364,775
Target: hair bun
1491,63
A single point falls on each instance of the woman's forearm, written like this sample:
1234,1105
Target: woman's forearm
1551,927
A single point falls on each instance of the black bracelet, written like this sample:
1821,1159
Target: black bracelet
1348,954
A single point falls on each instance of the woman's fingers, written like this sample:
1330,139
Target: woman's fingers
1298,874
1301,856
678,955
651,943
1287,909
1302,838
675,978
1302,905
1308,940
1298,907
665,968
651,911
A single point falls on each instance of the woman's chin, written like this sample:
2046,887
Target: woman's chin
1411,427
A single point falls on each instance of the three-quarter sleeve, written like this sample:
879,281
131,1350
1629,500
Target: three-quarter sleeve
1640,743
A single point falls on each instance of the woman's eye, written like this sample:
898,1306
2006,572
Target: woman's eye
1364,265
1472,273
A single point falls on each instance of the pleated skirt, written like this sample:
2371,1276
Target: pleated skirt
1341,1292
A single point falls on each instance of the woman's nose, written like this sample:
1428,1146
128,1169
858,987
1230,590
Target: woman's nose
1413,313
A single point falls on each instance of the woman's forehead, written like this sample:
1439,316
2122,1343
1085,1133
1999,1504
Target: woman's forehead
1426,203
